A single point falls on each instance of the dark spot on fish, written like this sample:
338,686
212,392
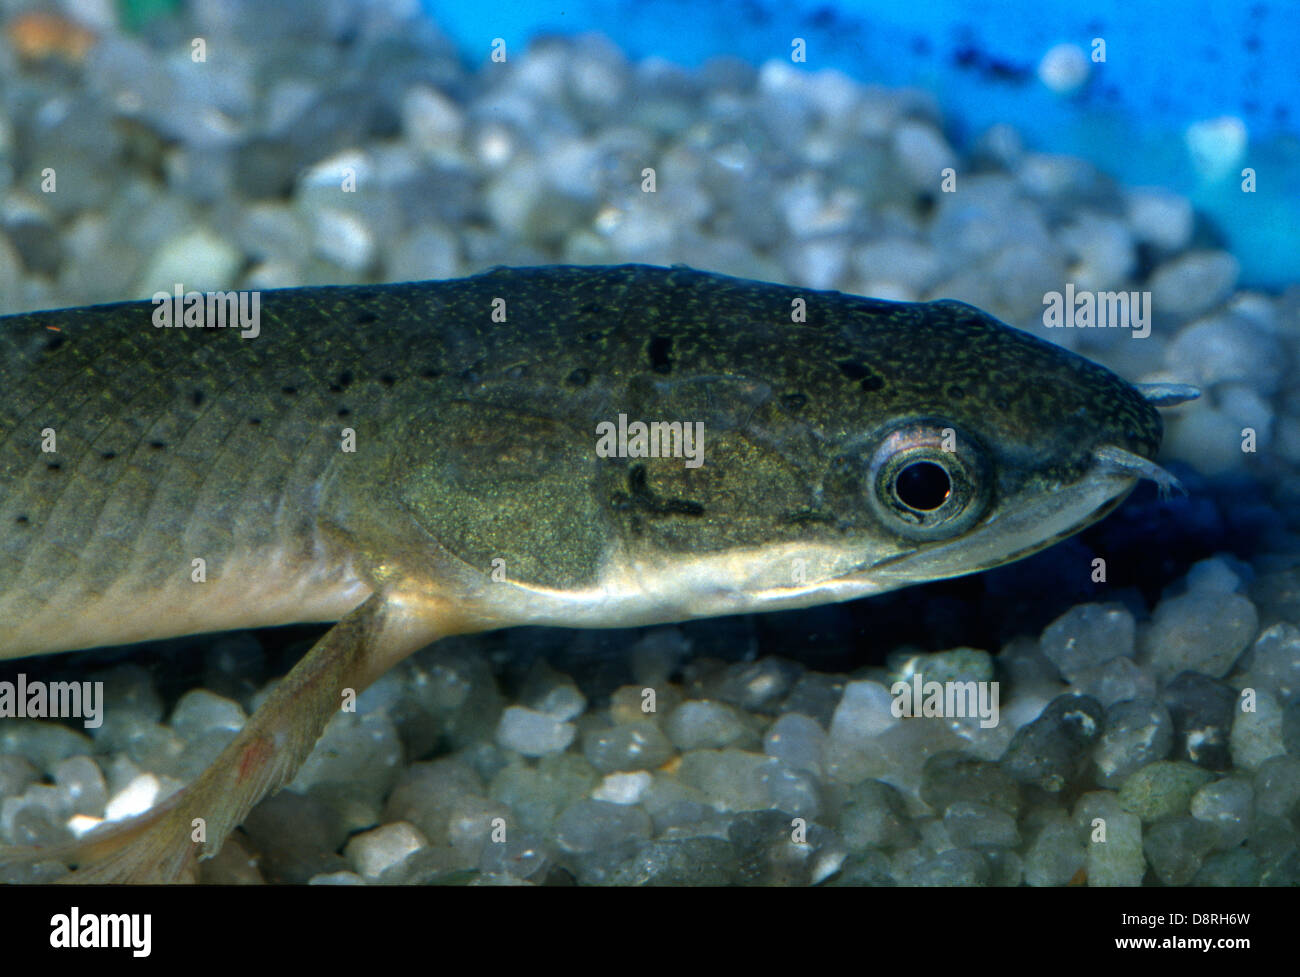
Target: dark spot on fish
644,499
364,318
342,383
682,507
924,204
157,445
254,421
344,412
805,516
794,402
54,342
594,336
196,398
109,455
1001,403
956,392
53,466
660,350
387,379
636,481
22,520
430,374
579,377
867,378
289,390
816,315
872,383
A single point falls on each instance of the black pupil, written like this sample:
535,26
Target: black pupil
923,485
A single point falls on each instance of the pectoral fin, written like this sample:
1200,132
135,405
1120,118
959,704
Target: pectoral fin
160,845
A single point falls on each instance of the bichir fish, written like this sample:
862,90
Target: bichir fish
419,460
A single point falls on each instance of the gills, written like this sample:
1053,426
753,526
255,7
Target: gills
586,447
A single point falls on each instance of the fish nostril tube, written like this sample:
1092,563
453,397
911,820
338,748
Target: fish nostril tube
1167,394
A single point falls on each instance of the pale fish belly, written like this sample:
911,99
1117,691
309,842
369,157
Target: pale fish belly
254,589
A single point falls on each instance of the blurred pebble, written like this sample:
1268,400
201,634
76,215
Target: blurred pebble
631,746
1193,283
533,733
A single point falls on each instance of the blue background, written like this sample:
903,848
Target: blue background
1168,65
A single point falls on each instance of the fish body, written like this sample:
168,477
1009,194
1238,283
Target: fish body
587,447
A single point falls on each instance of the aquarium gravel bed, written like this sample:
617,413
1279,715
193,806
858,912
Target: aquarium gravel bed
1164,705
654,763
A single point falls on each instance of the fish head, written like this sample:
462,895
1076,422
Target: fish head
900,443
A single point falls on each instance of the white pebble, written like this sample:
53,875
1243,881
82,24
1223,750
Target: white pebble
136,798
1216,146
1193,283
922,154
533,733
199,260
622,788
343,238
1225,348
1064,68
1200,632
1256,736
373,852
864,711
1159,217
431,120
1213,576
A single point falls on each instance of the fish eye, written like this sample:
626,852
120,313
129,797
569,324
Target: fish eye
923,486
929,481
